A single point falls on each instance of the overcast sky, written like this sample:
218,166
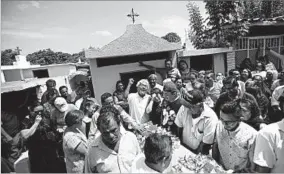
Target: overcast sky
70,26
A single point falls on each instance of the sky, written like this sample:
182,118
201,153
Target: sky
70,26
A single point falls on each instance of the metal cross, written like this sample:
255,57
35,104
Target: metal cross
18,50
132,15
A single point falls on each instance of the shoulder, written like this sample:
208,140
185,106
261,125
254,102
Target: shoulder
269,130
248,129
210,113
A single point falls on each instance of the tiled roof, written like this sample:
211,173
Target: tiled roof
135,41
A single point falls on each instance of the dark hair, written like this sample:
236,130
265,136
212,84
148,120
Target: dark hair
106,117
157,147
182,61
232,107
104,96
50,82
85,104
51,94
168,60
74,117
195,96
108,108
231,72
118,82
231,80
62,87
34,105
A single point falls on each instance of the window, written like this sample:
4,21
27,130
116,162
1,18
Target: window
42,73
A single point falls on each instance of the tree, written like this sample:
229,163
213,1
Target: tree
8,56
47,57
172,37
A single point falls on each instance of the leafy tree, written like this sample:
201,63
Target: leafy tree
172,37
8,56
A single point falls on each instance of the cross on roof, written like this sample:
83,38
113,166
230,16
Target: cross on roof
132,15
18,51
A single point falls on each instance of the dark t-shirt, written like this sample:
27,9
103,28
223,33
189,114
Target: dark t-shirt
10,123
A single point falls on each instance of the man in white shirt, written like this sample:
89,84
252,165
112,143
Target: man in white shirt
234,142
115,148
269,147
139,101
157,155
197,123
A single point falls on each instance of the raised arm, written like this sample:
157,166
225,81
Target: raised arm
26,133
130,83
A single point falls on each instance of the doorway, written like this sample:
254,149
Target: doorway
204,62
136,75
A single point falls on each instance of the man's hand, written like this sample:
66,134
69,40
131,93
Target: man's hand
130,81
139,128
38,119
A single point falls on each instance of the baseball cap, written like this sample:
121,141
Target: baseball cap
61,104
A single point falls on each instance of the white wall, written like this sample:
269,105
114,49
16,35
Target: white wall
104,78
12,75
64,70
53,71
218,60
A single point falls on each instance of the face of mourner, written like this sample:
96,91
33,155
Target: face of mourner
169,96
110,132
229,121
142,90
109,101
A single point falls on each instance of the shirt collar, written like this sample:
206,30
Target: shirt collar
281,125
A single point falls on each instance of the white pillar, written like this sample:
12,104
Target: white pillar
2,77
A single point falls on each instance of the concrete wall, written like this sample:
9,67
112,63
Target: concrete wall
104,78
60,70
53,71
12,75
218,60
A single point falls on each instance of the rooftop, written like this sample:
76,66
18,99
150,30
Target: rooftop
135,41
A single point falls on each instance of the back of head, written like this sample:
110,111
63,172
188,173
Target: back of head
157,147
104,96
232,107
106,117
74,117
170,86
195,96
50,82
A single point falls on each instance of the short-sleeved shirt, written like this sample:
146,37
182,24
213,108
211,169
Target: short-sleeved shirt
102,159
275,84
235,147
195,131
139,166
137,107
74,160
269,147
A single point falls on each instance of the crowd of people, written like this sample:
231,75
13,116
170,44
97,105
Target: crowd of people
238,119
